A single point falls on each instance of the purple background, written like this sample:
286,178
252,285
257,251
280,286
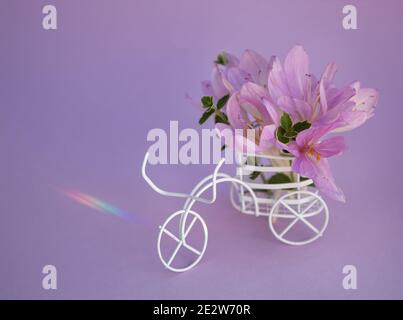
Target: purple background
75,108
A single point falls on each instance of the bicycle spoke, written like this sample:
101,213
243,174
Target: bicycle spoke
192,249
289,208
181,242
170,235
310,225
286,229
174,253
309,207
300,216
190,227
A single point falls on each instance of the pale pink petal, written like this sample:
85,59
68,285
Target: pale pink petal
312,87
339,96
328,75
236,115
319,172
255,66
286,104
350,120
361,108
326,92
252,96
277,81
258,112
314,134
299,110
335,114
273,111
304,109
217,84
304,166
291,147
253,93
356,85
232,60
267,138
331,147
234,79
323,98
296,67
325,182
366,99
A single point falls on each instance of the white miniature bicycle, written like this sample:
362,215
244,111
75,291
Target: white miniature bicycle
286,205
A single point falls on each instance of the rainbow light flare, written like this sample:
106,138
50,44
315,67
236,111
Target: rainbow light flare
99,205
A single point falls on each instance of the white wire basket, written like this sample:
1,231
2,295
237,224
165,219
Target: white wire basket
296,213
297,200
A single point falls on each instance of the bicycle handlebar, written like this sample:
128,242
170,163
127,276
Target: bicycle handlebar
178,194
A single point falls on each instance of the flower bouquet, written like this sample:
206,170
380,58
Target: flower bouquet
277,115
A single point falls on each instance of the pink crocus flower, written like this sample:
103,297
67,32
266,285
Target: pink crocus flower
293,89
247,122
364,102
252,68
247,115
261,91
215,86
311,153
228,78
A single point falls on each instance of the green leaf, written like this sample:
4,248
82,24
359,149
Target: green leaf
221,59
207,101
223,100
285,121
301,126
206,115
290,134
280,133
279,178
221,117
254,175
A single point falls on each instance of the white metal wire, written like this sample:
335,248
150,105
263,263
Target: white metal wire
194,196
299,214
181,243
241,200
178,194
295,201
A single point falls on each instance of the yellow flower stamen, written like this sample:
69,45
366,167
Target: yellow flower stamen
313,153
